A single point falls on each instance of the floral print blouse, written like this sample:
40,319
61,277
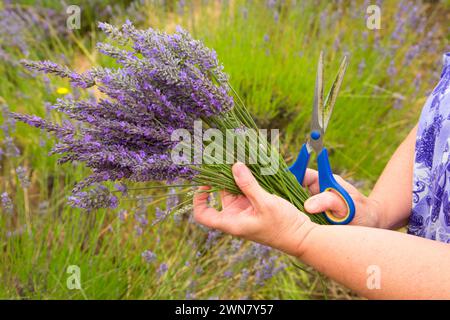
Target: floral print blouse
430,216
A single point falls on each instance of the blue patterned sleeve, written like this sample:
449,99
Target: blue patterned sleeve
430,216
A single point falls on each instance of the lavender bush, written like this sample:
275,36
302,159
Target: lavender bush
163,82
23,27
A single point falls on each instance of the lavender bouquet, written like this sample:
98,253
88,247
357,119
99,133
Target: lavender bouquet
164,83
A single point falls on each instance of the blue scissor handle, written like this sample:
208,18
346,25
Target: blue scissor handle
328,182
298,169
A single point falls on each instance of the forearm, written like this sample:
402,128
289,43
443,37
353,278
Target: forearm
393,190
411,267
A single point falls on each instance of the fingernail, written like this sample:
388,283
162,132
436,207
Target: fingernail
312,204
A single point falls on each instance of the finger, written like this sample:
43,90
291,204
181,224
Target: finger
311,181
327,201
203,214
248,185
226,198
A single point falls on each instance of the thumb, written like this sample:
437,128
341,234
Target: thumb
248,184
326,201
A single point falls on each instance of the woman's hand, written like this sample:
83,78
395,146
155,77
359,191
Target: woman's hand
257,215
366,209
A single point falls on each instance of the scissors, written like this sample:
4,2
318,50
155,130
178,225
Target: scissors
320,117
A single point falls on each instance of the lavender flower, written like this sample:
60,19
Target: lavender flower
189,296
165,82
122,188
212,238
361,67
139,231
8,126
95,198
199,270
159,216
162,269
17,232
268,268
392,70
181,4
122,215
23,177
258,278
85,80
271,3
172,199
18,24
228,274
417,81
149,256
244,278
141,219
7,204
236,244
11,149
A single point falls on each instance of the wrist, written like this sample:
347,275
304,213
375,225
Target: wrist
300,238
375,212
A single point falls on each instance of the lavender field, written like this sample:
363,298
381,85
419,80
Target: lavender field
135,239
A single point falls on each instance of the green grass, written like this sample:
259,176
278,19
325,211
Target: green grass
272,66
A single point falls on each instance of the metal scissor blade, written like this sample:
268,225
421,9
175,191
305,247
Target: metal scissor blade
332,94
317,119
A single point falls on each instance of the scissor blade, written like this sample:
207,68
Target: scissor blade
332,94
316,120
316,123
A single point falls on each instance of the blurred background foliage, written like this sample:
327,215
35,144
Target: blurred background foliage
270,49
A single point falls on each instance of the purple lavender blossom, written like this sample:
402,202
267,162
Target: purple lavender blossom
7,204
361,67
417,81
199,270
160,215
162,269
190,295
181,6
97,197
122,215
172,199
228,274
84,80
17,232
11,149
149,256
22,175
268,268
259,280
122,188
413,52
141,219
212,238
19,23
392,70
236,244
138,229
244,278
165,82
271,4
8,126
